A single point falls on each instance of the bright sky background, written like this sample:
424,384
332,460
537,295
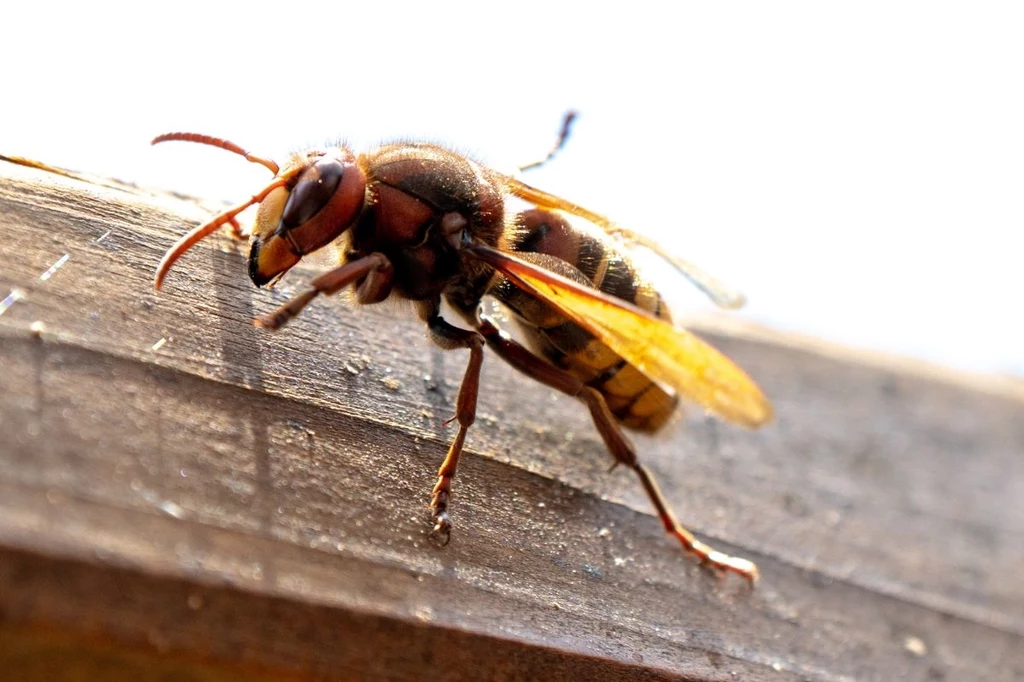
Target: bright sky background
857,169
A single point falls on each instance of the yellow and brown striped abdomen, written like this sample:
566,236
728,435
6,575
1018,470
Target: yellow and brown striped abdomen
547,239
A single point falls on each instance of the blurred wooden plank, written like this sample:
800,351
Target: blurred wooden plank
290,472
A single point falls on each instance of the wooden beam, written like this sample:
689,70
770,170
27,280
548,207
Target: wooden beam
180,490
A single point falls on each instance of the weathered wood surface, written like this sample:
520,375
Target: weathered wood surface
240,503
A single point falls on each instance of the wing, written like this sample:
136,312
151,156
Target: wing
666,354
719,293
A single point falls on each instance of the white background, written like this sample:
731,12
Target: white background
857,169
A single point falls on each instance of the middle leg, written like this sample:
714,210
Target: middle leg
450,337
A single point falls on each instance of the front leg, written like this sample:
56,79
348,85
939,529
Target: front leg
450,337
374,271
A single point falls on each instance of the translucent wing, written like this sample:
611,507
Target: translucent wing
666,354
719,293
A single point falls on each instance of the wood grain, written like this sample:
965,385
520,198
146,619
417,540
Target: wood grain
238,504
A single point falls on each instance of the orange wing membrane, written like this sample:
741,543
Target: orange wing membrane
720,294
665,353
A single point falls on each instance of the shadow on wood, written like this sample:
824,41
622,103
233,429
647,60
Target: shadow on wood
182,493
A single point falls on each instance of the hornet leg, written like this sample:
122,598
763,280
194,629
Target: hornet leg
621,449
450,337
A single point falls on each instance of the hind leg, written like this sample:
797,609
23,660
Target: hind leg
621,449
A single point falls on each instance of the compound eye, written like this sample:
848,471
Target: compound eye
315,187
